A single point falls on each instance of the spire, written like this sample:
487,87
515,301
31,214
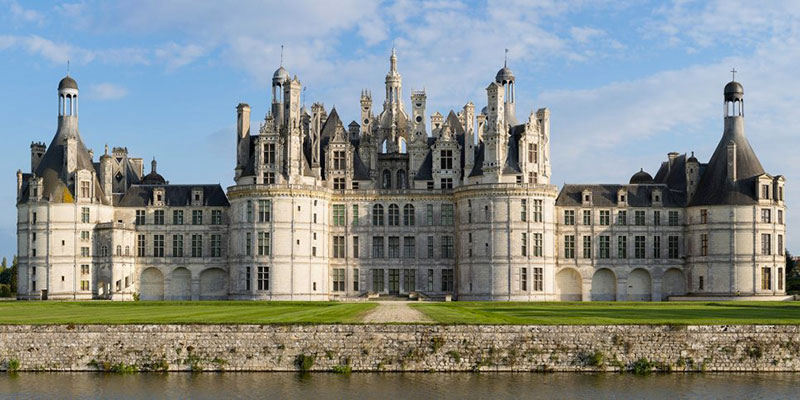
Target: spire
153,165
393,61
281,55
505,62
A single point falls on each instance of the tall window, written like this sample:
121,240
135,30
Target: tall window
377,280
216,217
587,246
537,244
248,244
269,153
673,218
355,279
429,214
447,280
269,178
638,217
764,191
338,160
377,215
639,247
394,247
780,245
338,247
158,217
447,247
430,280
247,278
672,246
703,244
140,217
446,183
262,279
780,277
339,184
377,247
197,217
766,244
587,217
523,210
355,214
622,217
657,218
410,280
780,217
430,247
197,245
605,245
537,211
263,243
409,247
569,246
338,215
177,245
446,159
264,210
523,279
622,247
569,217
533,153
355,247
605,217
656,246
177,217
408,215
158,246
338,280
394,215
141,247
85,189
447,215
538,279
524,244
704,216
766,215
216,245
766,278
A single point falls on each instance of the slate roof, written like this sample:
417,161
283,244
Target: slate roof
175,195
606,195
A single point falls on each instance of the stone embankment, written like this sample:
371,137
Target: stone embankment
125,348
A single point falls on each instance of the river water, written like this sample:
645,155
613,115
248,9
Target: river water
320,386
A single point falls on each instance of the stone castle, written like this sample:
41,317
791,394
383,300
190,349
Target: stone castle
461,206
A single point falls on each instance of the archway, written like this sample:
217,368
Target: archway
568,285
181,286
151,284
604,285
673,284
639,285
213,284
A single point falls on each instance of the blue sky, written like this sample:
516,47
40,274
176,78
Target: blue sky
626,81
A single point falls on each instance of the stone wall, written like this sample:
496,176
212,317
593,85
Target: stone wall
399,347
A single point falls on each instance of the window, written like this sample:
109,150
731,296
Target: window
197,245
657,218
158,245
672,246
84,251
249,211
216,245
531,177
703,244
338,280
780,245
338,247
766,215
780,277
538,279
85,269
394,215
263,243
338,160
377,280
700,282
447,247
85,215
486,213
430,280
704,216
622,247
523,210
409,280
447,280
537,211
523,279
587,217
394,247
446,159
338,215
33,218
197,217
340,184
587,246
446,183
355,279
140,220
248,244
673,218
533,153
638,217
177,245
355,247
569,246
430,246
216,217
657,247
765,191
269,153
377,247
569,217
524,245
639,247
766,244
85,193
84,285
377,215
429,214
177,217
537,244
103,251
622,217
247,283
605,217
409,247
269,178
766,278
264,210
429,185
605,244
447,215
262,278
780,217
355,214
408,215
84,236
141,246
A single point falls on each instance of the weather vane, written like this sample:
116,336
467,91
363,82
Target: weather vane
281,55
733,71
505,62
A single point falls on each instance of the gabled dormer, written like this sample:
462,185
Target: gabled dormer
197,197
586,198
622,197
159,197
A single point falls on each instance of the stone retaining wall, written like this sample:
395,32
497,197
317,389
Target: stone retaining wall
399,347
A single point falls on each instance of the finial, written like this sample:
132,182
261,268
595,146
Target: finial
153,165
106,148
733,72
505,62
68,67
281,55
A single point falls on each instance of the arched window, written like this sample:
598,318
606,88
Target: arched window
408,215
119,250
401,179
384,146
377,215
394,215
104,250
127,250
403,147
387,179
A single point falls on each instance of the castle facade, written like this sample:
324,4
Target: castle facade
396,204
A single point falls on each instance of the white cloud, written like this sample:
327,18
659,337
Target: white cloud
585,34
176,56
106,91
25,15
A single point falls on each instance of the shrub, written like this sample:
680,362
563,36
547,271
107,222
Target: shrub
5,290
596,359
305,362
437,343
342,369
642,366
12,365
456,355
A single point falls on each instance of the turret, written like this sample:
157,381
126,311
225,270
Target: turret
496,130
106,175
19,184
242,137
279,79
366,112
37,152
418,100
505,78
692,176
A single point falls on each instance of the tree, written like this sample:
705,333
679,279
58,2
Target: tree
791,265
13,283
4,265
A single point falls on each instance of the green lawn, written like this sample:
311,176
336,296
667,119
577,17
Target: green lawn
597,313
167,312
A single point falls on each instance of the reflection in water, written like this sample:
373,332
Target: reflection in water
396,385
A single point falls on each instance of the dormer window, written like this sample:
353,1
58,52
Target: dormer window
158,197
656,197
446,159
339,160
269,153
197,197
765,191
85,191
586,197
